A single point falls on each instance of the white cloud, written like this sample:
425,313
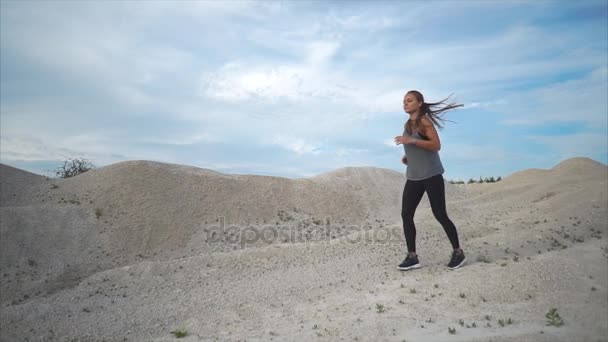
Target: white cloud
319,52
486,104
389,143
237,82
79,44
209,10
297,145
582,100
95,148
572,145
181,140
30,149
365,22
297,81
470,153
344,152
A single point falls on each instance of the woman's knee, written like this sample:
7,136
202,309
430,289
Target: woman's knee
441,215
407,215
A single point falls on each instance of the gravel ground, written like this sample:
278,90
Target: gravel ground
138,249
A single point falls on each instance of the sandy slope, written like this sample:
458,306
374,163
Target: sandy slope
151,262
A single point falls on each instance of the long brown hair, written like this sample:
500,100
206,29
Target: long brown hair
434,111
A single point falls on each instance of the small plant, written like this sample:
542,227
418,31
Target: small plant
503,322
412,290
380,308
461,322
483,258
452,330
54,186
98,212
553,318
488,317
462,295
179,333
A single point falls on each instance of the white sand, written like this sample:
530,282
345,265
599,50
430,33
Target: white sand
150,263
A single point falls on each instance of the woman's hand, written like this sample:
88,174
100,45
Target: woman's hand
404,160
403,139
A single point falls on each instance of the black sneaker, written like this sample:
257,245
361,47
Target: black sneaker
409,263
458,259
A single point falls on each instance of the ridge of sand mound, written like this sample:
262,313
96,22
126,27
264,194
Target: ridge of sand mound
580,166
570,171
12,175
15,184
141,165
237,198
385,180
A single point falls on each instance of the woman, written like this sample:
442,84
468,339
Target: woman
424,173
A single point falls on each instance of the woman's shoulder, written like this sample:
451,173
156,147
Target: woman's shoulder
426,122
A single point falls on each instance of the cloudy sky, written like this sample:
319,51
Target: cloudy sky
297,88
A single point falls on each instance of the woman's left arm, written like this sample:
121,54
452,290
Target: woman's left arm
428,129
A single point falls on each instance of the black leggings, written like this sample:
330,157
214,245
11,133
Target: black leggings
412,194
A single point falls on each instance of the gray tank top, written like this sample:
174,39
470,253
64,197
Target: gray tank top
421,163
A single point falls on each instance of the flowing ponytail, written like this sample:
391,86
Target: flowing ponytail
435,110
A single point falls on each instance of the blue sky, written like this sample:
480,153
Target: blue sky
297,88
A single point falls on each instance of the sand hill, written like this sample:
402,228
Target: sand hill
137,249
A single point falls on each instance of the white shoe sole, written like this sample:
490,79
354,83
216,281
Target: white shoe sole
459,265
409,267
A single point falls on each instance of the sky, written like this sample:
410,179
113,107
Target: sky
298,88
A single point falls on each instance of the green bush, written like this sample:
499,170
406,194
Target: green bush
553,318
481,180
179,333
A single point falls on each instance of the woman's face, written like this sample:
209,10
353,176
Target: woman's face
411,104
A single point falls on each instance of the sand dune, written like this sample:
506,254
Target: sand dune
134,250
